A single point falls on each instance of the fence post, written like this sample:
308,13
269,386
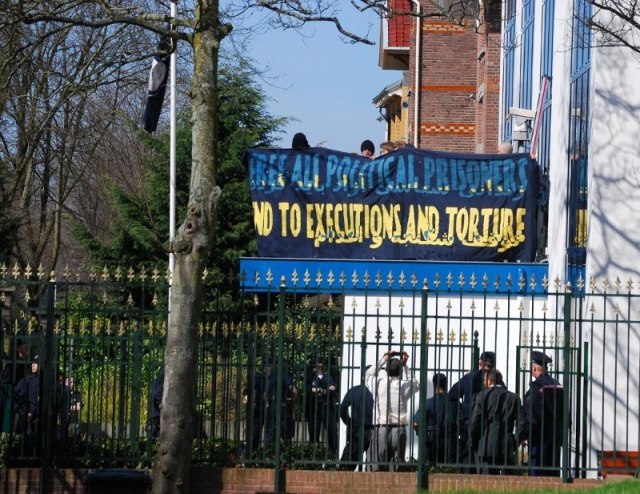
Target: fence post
423,468
48,373
566,384
279,478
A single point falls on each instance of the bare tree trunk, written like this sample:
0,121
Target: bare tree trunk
193,243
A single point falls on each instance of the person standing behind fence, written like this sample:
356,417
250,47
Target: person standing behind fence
75,406
156,391
12,374
439,414
542,425
289,394
253,398
27,397
391,405
493,419
466,389
359,422
323,390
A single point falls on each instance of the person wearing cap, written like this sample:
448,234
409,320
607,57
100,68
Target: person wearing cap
367,149
394,385
439,413
541,424
323,395
463,393
493,419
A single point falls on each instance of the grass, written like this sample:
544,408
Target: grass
629,486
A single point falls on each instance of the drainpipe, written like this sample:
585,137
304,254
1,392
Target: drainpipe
417,72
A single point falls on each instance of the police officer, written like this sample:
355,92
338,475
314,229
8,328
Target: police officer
541,424
466,389
323,390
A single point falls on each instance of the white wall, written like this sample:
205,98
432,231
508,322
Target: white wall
451,319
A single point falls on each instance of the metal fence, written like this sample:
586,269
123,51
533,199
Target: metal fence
97,346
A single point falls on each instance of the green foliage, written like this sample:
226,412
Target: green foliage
139,233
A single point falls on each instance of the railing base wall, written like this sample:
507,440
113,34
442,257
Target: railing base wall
211,480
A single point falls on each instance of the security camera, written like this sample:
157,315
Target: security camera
522,113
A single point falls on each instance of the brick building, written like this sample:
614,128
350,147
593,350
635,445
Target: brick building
448,96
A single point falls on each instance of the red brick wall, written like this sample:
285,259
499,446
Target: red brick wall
210,480
451,117
487,107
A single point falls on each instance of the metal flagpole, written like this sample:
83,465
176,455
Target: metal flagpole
172,150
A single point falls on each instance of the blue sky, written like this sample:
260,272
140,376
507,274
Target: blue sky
326,84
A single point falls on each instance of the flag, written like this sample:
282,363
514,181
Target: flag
157,87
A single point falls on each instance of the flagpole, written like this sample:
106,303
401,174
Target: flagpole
172,148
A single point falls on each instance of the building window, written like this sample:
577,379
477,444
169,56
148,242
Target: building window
546,70
577,192
508,66
526,53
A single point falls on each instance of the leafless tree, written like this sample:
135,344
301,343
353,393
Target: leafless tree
203,26
616,22
53,119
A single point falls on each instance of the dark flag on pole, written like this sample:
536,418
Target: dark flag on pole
157,87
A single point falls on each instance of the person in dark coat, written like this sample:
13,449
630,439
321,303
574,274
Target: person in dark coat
74,405
358,401
157,390
289,395
439,415
493,419
256,408
323,391
542,425
12,373
27,397
463,393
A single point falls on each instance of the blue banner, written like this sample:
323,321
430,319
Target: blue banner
408,204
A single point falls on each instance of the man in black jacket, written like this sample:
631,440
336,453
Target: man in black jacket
359,424
495,414
542,425
465,390
439,414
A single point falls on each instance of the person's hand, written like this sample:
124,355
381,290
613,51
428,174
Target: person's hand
405,358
